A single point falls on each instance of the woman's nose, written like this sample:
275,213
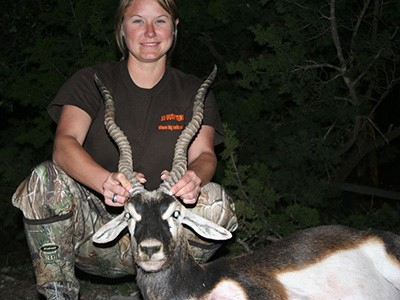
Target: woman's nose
150,32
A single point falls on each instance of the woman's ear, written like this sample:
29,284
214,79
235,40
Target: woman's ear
122,31
176,27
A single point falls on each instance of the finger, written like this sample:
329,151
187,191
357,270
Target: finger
189,200
164,175
109,202
116,192
114,198
140,177
123,181
181,187
118,198
192,195
111,184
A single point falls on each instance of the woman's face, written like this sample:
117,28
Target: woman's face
148,30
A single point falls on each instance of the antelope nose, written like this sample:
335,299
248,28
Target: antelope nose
150,250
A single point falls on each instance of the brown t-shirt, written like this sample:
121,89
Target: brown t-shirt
152,119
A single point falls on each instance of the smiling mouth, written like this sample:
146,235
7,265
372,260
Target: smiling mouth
150,44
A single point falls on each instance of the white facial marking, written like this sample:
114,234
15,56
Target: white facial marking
174,206
132,211
153,262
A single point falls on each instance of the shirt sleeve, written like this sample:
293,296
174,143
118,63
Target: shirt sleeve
212,117
79,90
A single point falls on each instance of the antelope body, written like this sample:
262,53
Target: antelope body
327,262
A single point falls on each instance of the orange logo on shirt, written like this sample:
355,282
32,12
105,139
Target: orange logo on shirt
171,117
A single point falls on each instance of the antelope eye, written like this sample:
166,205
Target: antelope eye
176,214
127,216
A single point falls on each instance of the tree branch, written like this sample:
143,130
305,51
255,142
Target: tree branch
358,24
335,36
314,65
339,53
239,181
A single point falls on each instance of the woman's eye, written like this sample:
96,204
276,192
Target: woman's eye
161,21
176,214
136,21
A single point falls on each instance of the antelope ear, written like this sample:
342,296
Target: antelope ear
205,227
109,231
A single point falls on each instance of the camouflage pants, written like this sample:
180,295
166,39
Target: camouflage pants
49,195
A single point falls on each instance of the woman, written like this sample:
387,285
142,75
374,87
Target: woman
60,200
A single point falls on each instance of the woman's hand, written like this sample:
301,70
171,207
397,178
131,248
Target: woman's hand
187,188
116,188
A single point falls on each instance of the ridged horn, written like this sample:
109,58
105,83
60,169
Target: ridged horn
179,164
125,164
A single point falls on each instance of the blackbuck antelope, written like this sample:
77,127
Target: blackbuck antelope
327,262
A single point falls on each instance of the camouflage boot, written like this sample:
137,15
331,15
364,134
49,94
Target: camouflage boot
52,250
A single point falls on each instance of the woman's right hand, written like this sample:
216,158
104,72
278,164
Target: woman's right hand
117,188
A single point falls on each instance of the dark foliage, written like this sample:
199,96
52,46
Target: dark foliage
305,89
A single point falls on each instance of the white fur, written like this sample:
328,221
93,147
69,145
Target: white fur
157,260
227,290
363,273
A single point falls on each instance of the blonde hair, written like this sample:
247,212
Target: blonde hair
168,5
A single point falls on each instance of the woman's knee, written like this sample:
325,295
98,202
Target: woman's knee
216,205
45,193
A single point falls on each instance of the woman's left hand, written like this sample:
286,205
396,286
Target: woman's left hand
187,188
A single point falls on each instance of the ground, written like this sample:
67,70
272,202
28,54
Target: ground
17,282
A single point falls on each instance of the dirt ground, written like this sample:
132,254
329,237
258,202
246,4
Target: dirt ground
17,282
